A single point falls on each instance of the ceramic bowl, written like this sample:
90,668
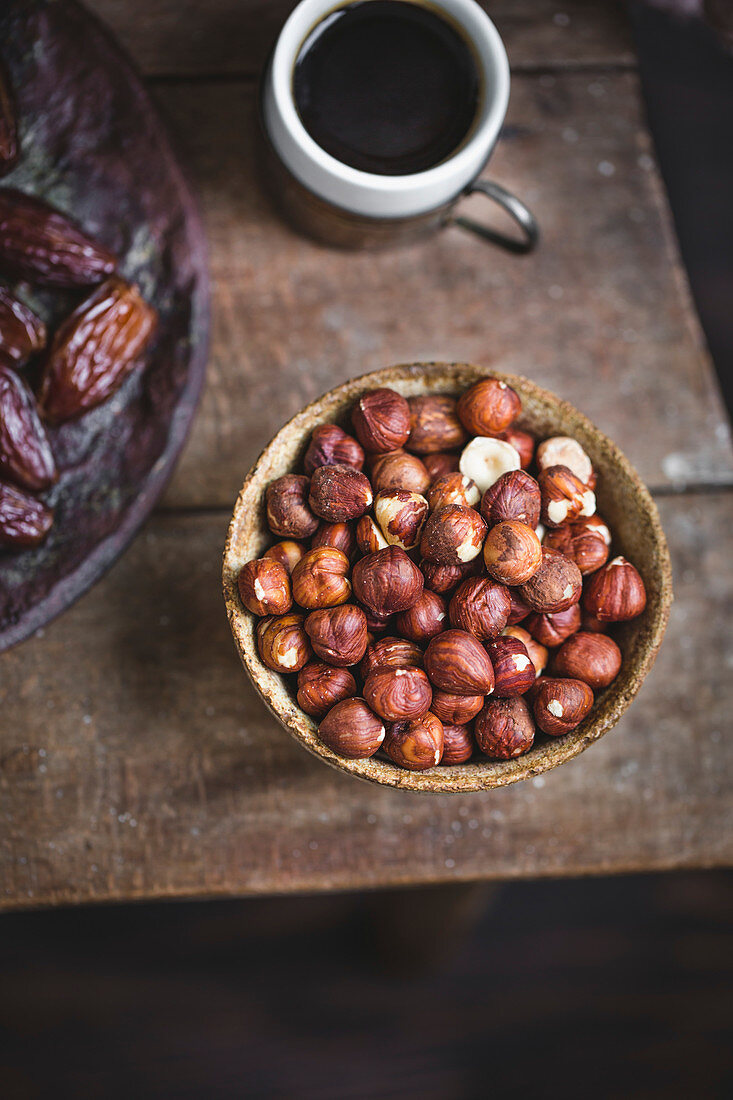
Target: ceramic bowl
623,501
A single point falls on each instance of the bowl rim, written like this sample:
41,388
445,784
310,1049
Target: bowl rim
480,773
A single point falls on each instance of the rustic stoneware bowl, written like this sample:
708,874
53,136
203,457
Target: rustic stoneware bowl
622,500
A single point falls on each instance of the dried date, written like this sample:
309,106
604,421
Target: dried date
25,453
21,332
44,246
24,521
94,350
9,143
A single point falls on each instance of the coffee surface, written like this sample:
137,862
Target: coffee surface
386,86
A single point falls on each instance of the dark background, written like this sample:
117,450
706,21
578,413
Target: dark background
592,988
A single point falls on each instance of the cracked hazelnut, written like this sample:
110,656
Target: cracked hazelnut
453,535
523,444
504,728
552,630
561,705
338,634
381,420
488,407
321,578
519,610
440,464
588,551
288,514
415,745
615,593
320,687
331,446
425,619
512,552
456,662
283,643
481,607
593,658
556,585
457,744
390,653
401,516
453,489
352,730
398,694
338,535
514,672
444,578
287,552
513,496
484,460
564,496
538,654
563,450
456,710
434,424
369,538
399,470
264,587
339,493
387,582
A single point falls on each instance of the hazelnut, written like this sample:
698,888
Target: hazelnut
320,687
331,446
593,658
398,694
484,460
444,578
514,672
588,551
562,450
504,729
321,578
401,516
457,744
456,710
481,607
513,496
387,582
591,624
381,420
399,470
453,489
552,629
440,464
512,552
369,538
338,634
424,619
286,502
352,730
339,493
390,653
264,587
283,643
523,444
287,552
593,525
564,496
455,661
556,585
415,745
561,705
518,610
537,653
434,425
377,624
453,535
488,407
338,535
615,593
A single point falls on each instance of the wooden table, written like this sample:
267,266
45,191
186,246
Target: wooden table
135,759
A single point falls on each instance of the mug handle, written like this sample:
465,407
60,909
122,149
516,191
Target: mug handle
516,209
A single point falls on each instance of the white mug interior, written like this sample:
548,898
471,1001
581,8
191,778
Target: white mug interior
366,193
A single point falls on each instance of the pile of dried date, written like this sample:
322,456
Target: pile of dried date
79,367
397,597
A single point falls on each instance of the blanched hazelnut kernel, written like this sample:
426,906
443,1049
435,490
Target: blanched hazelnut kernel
485,459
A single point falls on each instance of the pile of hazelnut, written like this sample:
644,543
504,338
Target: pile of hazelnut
396,597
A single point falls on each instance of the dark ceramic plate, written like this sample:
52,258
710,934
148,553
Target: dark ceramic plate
93,145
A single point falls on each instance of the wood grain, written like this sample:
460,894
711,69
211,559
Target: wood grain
186,37
136,760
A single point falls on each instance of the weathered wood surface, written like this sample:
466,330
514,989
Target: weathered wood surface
137,761
187,37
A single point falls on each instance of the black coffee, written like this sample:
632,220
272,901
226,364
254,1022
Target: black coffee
386,86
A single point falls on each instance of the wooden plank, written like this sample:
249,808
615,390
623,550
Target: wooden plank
185,37
137,762
600,314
